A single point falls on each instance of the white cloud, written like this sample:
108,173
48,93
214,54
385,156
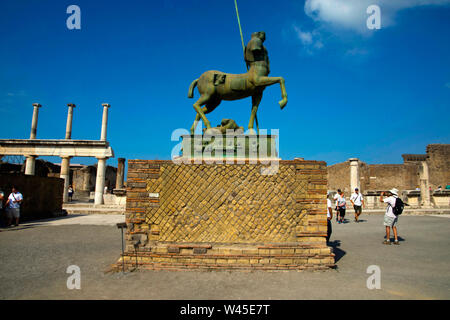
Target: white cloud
305,37
311,40
357,52
351,14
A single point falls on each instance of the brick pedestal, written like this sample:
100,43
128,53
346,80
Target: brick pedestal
226,216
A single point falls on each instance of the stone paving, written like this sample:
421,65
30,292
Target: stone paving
34,258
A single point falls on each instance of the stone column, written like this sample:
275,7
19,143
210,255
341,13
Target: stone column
120,173
104,121
424,186
65,174
30,165
354,174
100,181
69,121
34,121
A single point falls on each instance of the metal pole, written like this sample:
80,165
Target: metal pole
243,49
123,253
239,23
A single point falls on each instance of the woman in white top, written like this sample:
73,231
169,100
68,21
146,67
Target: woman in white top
341,204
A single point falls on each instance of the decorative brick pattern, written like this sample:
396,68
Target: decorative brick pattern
226,216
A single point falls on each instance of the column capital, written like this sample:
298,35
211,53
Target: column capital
106,105
37,105
353,159
71,105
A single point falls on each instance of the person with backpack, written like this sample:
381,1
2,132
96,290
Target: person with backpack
394,208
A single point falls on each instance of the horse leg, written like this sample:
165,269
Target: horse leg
268,81
210,106
256,99
198,107
194,125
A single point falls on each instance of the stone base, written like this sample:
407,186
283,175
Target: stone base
226,216
242,146
205,257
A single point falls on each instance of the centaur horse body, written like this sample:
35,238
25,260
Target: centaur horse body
215,86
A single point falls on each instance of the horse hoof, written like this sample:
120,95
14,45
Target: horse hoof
251,131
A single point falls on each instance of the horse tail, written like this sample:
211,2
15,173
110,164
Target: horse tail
191,88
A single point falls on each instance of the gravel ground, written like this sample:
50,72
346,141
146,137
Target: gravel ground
34,259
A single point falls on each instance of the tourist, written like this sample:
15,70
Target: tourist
341,207
329,217
439,188
357,201
13,206
336,197
70,191
390,219
2,195
447,187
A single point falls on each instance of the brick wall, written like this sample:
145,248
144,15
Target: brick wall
401,176
439,164
226,216
339,176
42,196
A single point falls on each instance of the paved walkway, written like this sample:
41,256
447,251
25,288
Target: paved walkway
80,219
34,259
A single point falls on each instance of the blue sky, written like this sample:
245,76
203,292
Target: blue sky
353,92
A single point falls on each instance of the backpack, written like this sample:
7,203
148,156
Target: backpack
399,206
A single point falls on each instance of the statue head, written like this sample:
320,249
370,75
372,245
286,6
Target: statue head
259,34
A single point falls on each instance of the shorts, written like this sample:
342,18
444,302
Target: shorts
342,212
390,221
358,209
13,213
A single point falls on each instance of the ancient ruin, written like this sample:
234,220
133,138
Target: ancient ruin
418,178
65,149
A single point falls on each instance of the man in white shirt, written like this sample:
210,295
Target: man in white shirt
329,217
357,201
13,206
336,200
390,219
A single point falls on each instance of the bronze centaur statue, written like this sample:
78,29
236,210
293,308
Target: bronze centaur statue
215,86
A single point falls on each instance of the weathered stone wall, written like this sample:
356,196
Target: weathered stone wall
83,179
227,216
401,176
439,164
339,176
42,195
385,177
